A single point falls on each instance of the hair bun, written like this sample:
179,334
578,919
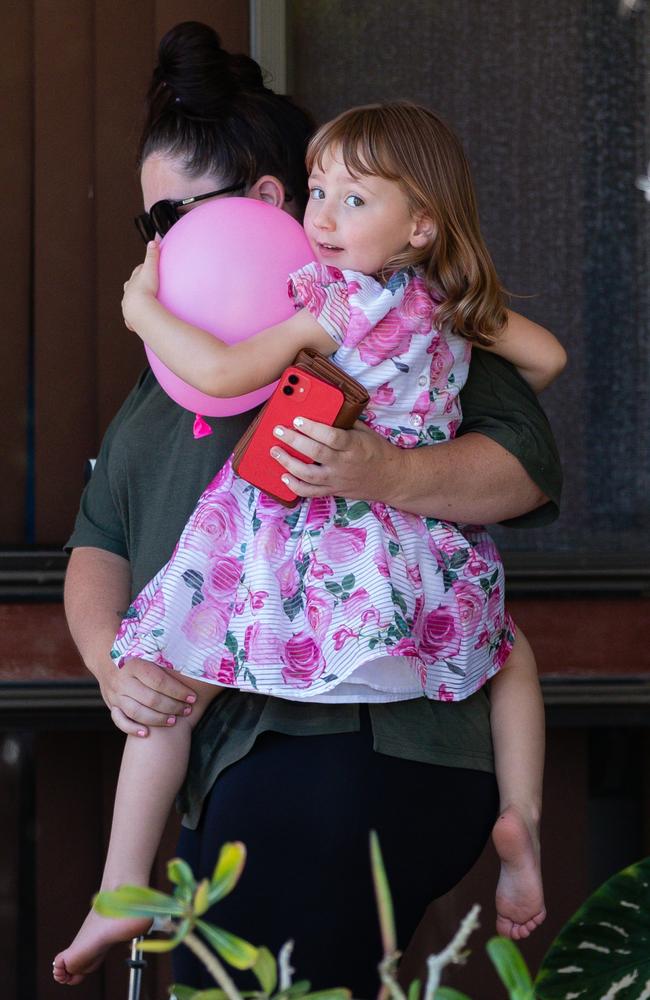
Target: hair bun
202,77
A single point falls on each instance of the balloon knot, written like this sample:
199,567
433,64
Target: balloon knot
201,428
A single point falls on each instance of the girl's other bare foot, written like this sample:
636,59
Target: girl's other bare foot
95,938
520,895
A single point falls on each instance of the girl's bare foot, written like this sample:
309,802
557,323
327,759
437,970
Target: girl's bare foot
94,939
520,895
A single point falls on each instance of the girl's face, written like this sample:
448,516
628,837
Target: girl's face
358,223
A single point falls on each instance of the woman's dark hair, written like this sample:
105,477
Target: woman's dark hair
213,110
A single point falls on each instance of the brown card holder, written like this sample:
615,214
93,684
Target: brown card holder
354,402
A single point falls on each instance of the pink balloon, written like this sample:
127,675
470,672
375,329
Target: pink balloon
224,267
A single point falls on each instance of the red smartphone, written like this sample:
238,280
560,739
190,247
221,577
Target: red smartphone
298,393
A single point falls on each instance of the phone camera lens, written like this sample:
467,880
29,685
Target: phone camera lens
293,379
287,390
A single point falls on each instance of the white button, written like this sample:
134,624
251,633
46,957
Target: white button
423,380
416,420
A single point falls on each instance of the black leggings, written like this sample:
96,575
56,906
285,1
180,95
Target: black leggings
303,805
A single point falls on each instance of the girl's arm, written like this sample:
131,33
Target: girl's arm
204,361
537,355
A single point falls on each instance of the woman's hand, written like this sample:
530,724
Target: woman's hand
141,694
357,463
141,289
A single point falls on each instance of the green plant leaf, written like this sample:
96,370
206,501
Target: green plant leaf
136,901
180,873
202,898
266,970
160,945
298,989
229,866
512,970
336,993
383,896
178,992
446,993
414,990
234,950
604,949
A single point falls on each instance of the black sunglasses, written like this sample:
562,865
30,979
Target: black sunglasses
161,217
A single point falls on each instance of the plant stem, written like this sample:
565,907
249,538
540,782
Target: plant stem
213,965
390,986
453,953
284,968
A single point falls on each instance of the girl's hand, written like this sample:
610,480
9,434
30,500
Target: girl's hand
141,288
358,464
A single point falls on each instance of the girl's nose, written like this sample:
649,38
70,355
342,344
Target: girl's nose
323,219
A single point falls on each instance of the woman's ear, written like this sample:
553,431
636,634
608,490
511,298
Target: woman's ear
268,189
423,233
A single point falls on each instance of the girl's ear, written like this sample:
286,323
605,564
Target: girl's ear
269,189
424,232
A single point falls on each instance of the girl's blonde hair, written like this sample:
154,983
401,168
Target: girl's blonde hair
408,144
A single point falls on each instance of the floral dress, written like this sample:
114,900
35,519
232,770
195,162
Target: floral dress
335,599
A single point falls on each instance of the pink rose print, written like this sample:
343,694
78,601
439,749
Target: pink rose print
303,661
355,604
371,616
483,639
405,647
152,612
257,599
342,635
223,577
470,600
288,578
267,505
422,405
206,623
502,653
381,562
222,671
437,634
261,645
382,513
309,289
452,427
342,544
475,565
444,694
271,538
215,525
320,570
319,512
442,361
414,575
318,609
358,327
163,662
389,338
383,396
417,307
495,607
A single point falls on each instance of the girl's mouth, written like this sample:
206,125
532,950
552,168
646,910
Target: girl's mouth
328,248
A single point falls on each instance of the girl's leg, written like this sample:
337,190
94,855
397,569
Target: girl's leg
517,721
151,774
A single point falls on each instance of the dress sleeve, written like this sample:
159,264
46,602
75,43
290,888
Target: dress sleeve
345,303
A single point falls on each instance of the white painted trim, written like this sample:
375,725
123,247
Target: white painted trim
268,40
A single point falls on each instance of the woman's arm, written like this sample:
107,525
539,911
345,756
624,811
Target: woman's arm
503,465
140,694
470,479
536,354
201,359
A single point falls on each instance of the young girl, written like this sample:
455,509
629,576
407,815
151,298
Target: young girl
337,600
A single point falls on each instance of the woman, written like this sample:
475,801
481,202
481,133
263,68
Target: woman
302,806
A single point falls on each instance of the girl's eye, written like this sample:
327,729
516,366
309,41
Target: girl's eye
317,194
354,201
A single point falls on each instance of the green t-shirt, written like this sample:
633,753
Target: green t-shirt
149,474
